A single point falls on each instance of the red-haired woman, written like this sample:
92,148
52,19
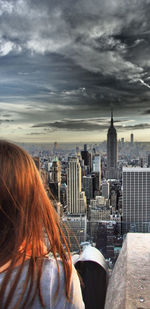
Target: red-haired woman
28,277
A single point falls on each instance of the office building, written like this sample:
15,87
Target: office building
86,156
112,151
131,138
83,203
88,187
55,179
77,227
148,160
55,171
74,186
63,194
97,170
106,189
97,163
136,199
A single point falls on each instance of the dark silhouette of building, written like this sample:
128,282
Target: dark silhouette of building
131,138
112,151
55,179
88,187
148,163
96,183
63,194
86,156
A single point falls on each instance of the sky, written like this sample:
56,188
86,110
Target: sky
64,64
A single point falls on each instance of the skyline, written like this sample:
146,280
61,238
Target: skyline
65,64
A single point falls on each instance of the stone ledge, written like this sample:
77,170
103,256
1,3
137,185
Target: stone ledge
129,285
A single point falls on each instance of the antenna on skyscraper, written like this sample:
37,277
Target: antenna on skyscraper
111,116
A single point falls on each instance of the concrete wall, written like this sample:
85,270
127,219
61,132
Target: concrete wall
129,285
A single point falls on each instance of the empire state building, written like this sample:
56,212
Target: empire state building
112,152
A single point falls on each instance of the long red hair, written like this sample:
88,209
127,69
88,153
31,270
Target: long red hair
27,220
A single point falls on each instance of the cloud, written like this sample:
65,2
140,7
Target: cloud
7,46
146,112
6,120
35,133
96,124
143,83
72,124
74,59
140,126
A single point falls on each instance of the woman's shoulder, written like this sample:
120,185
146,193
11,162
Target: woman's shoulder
50,277
54,271
51,268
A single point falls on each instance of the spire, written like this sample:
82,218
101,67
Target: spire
112,118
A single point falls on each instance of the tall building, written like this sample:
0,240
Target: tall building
122,141
77,225
55,179
83,203
131,138
97,163
148,161
136,199
88,187
63,195
106,189
86,156
74,186
112,151
55,171
97,172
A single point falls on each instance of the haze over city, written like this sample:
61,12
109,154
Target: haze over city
65,64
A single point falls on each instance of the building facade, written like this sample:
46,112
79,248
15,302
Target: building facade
73,185
55,179
88,187
106,189
86,156
136,199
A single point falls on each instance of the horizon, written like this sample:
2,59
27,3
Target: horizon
79,142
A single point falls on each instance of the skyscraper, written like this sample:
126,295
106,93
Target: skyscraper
96,173
88,187
136,199
148,161
105,189
97,163
86,156
74,186
55,179
112,151
131,138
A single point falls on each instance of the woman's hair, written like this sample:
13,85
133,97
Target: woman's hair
28,223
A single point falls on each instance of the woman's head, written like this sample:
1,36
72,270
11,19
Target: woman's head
27,216
21,193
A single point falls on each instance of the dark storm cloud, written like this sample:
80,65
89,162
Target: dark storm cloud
140,126
74,125
147,112
75,58
95,124
6,120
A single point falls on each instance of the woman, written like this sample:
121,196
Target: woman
29,231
